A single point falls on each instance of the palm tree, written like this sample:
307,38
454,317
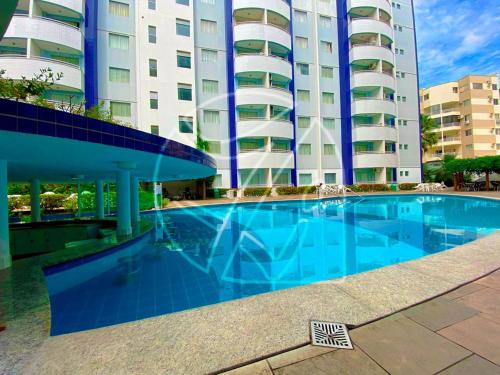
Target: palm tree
429,138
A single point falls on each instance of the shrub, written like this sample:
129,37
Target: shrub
146,200
49,202
257,192
211,192
287,190
407,186
365,188
307,189
165,202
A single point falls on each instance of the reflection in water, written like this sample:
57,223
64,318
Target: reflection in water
205,255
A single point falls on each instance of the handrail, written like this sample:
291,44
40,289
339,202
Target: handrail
370,45
54,61
235,23
265,87
263,54
368,98
264,119
374,126
372,71
369,18
57,21
374,152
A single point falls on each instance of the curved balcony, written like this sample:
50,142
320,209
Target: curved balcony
262,63
256,95
72,5
19,66
263,159
371,106
374,133
260,31
381,4
371,52
370,25
264,128
369,78
278,6
46,30
375,160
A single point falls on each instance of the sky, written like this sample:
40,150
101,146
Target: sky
456,38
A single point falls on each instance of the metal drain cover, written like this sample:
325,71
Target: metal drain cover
332,335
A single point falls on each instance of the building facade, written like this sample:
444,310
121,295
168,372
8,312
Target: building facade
467,117
279,93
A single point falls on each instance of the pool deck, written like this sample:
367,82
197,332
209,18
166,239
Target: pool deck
255,329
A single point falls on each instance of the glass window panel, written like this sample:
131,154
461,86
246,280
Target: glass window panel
305,149
211,117
183,59
208,55
120,109
118,41
153,68
118,9
305,179
185,124
119,75
182,27
209,27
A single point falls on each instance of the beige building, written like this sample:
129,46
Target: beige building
467,115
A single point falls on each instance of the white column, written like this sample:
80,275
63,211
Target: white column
5,258
35,201
99,200
124,226
134,201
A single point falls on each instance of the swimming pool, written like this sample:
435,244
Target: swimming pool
210,254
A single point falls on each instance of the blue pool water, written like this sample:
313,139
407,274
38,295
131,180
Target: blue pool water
205,255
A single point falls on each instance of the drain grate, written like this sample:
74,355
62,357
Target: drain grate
332,335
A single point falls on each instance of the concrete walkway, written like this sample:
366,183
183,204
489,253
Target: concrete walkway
457,333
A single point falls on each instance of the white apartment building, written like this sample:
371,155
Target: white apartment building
300,93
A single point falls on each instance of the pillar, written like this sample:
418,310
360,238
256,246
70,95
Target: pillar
134,201
124,225
5,258
35,201
99,200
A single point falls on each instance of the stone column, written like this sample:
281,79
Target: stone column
99,200
124,226
35,201
134,201
5,257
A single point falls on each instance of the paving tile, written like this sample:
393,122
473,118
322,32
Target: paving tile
439,313
402,346
477,334
297,355
485,300
472,365
494,318
464,290
257,368
491,281
338,362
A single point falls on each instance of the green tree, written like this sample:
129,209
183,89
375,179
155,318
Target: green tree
429,138
201,144
24,88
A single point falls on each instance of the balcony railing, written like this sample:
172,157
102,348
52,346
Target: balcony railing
373,126
374,152
286,29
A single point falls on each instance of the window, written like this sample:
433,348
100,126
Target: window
330,178
328,97
209,27
155,129
469,147
211,117
495,101
183,59
303,69
326,72
303,122
210,87
217,182
152,4
213,147
153,100
329,123
300,16
118,41
185,124
328,149
208,55
455,90
182,2
494,87
326,47
184,92
303,95
498,146
305,179
120,109
118,9
209,2
152,34
305,149
182,27
468,132
301,42
497,131
153,68
325,22
119,75
477,86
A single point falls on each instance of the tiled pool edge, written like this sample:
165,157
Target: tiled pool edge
25,305
165,344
